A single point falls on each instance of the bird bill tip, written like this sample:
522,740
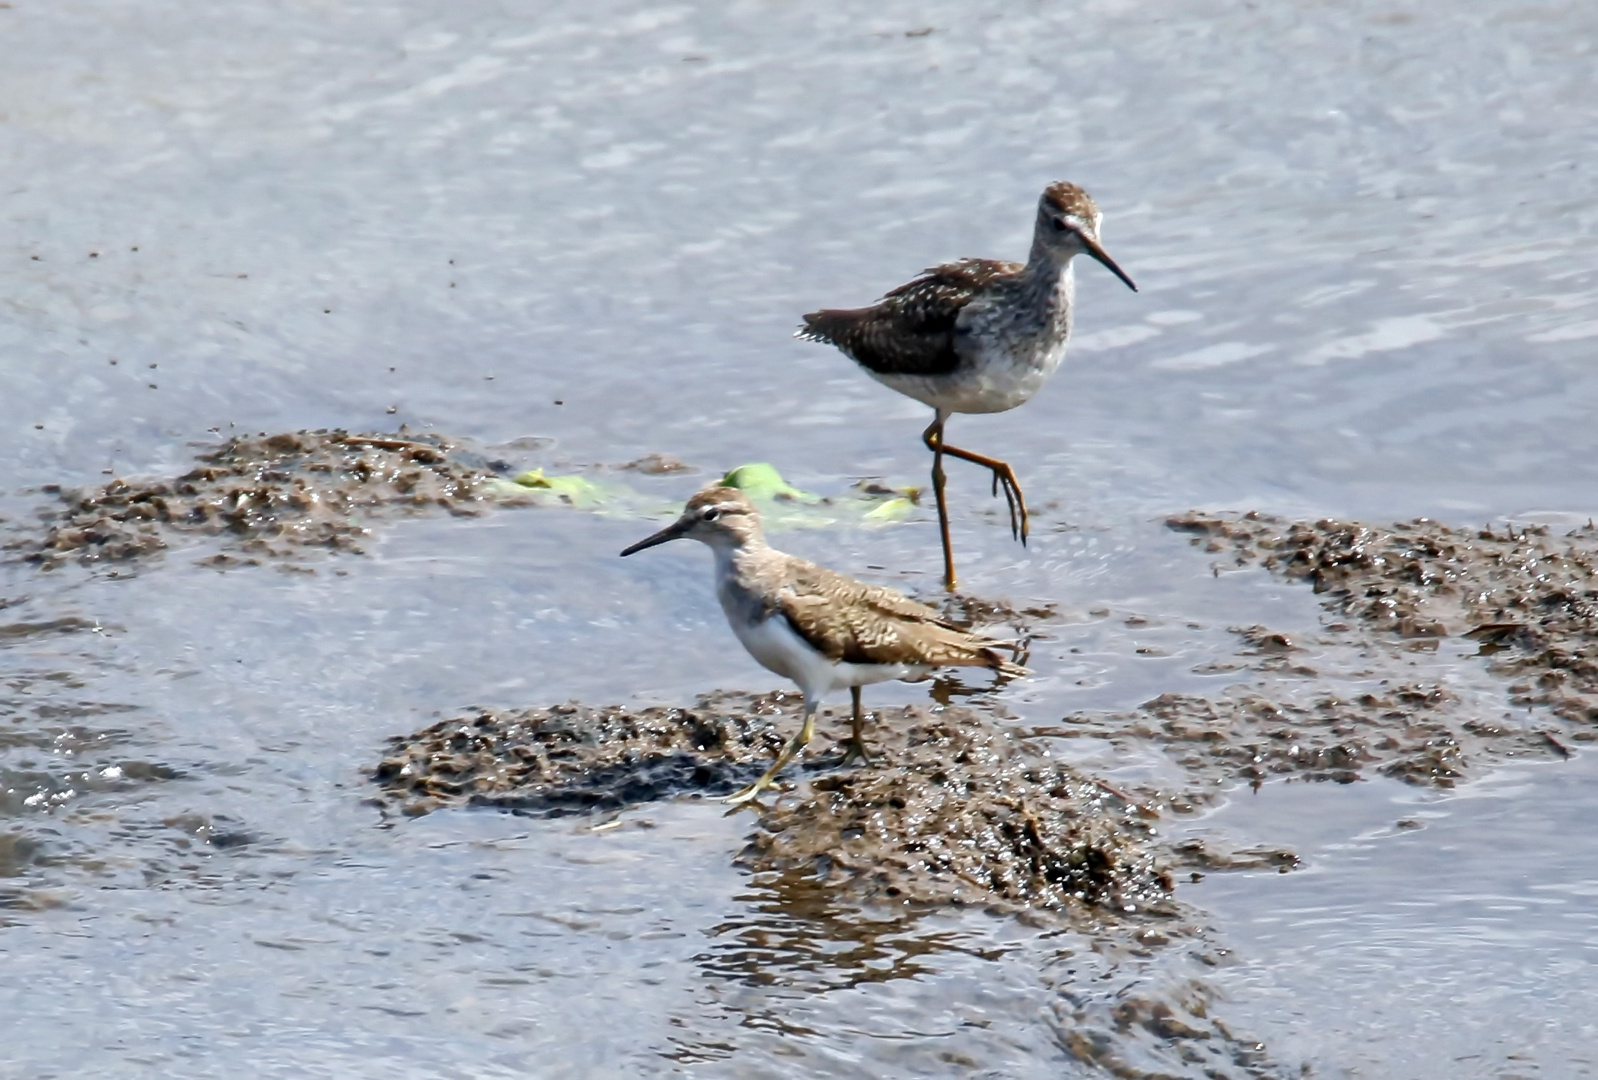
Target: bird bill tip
670,532
1109,264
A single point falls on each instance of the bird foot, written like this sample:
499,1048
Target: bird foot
748,794
1004,480
853,749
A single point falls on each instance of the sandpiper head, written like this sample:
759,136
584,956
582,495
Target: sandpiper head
1068,224
718,516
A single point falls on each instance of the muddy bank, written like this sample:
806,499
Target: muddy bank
1528,596
953,810
271,496
1419,733
573,759
286,495
1343,703
964,808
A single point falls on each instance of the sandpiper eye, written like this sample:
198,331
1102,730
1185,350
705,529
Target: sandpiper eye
710,513
1060,225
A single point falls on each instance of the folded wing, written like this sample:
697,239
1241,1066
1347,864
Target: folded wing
851,621
911,330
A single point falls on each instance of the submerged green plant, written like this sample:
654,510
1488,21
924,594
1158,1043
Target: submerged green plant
783,505
578,491
763,483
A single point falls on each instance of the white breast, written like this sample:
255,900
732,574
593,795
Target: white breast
778,648
1009,343
1000,384
775,646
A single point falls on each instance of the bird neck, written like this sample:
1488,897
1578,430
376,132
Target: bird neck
1047,284
748,576
736,554
1046,260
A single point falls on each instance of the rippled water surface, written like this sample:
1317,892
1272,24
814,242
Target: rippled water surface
1363,238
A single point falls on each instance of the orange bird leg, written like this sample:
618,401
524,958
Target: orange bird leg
933,437
1003,477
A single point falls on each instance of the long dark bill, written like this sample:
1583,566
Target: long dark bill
673,531
1109,263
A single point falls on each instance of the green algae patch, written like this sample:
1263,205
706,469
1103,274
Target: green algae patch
570,490
783,506
891,510
763,483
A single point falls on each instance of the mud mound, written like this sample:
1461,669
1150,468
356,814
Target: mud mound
953,811
1528,596
272,494
573,759
962,812
1422,734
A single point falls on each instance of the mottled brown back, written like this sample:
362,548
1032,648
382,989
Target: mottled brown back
911,330
851,621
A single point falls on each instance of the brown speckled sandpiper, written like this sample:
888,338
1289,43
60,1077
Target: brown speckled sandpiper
976,336
823,630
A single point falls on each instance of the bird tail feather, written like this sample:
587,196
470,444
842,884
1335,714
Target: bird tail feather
822,326
1003,666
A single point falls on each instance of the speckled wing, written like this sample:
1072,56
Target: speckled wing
911,330
851,621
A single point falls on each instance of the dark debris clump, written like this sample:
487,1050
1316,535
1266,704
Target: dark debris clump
961,811
954,810
272,494
1528,596
573,759
1418,733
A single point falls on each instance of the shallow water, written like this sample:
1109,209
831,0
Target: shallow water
1361,236
1460,942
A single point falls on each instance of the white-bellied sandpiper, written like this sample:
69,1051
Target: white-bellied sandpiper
976,336
823,630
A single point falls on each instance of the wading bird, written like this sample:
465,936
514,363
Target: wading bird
823,630
976,336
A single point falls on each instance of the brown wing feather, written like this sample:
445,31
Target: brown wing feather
911,330
851,621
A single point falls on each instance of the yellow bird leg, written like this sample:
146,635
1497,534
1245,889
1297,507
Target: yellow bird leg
795,744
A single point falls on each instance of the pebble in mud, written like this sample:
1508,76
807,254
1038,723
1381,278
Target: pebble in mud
955,810
273,494
1529,597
